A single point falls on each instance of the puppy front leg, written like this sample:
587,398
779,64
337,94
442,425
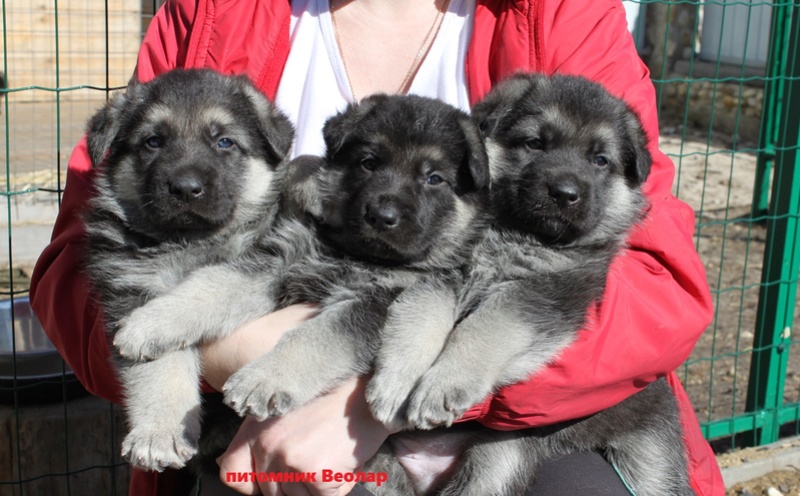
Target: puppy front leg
212,302
162,401
499,343
316,356
417,326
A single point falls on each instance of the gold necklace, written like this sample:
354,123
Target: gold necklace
424,48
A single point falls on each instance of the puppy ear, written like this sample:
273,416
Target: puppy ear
477,162
341,126
503,99
485,115
273,125
637,157
301,188
104,125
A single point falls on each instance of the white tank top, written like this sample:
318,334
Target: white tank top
314,83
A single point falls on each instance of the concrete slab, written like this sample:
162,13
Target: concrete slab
783,458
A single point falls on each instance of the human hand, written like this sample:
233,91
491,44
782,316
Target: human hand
334,432
222,357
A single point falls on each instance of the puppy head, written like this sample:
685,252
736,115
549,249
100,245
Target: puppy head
567,158
404,180
188,152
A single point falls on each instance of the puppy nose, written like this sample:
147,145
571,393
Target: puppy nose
565,193
187,187
382,216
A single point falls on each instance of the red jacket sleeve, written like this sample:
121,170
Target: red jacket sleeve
657,301
59,292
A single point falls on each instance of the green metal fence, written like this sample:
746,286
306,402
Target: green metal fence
730,118
743,375
778,147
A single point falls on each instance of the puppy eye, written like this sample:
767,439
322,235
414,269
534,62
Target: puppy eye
600,161
434,180
153,142
369,163
225,143
534,144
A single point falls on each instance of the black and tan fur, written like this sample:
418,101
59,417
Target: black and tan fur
187,170
398,199
568,161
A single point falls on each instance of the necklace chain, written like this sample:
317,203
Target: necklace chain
424,48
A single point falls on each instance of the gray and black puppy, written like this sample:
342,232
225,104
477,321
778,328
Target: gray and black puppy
187,184
398,202
568,161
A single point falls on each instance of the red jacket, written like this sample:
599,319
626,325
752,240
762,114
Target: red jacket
657,302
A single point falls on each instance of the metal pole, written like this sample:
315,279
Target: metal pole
771,106
777,296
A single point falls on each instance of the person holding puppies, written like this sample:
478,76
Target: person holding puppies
312,57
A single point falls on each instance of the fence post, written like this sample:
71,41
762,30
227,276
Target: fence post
777,296
771,108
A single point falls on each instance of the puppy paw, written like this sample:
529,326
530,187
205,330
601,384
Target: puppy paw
435,403
158,449
255,391
143,337
388,401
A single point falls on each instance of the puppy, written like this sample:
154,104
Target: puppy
187,167
567,161
398,202
395,206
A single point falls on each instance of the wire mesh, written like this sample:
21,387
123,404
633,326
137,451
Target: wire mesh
711,114
60,59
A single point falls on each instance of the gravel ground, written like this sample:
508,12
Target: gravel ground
781,483
786,482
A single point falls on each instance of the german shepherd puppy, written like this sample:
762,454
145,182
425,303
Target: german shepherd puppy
187,168
398,201
567,161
